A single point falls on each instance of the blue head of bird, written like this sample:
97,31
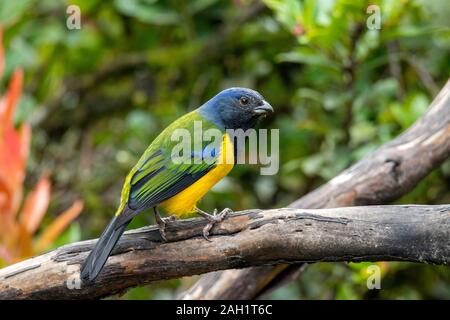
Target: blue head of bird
236,108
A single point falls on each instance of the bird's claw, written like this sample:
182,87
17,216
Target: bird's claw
171,218
213,219
162,233
162,223
162,229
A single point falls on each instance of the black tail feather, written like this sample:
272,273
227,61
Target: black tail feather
102,249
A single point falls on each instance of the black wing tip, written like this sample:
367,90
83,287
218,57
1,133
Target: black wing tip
87,275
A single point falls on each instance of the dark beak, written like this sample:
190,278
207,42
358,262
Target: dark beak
264,108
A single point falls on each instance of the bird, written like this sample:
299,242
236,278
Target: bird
159,181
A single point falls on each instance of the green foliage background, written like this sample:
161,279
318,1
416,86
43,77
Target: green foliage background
97,96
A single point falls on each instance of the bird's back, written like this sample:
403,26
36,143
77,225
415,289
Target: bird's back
158,155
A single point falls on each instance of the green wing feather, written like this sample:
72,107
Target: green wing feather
156,178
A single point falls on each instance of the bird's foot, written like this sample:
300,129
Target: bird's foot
161,226
170,218
162,223
213,219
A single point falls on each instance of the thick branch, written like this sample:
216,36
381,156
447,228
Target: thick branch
251,238
385,175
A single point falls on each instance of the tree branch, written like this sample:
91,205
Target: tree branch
250,238
383,176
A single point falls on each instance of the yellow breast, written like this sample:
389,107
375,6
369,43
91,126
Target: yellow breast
184,202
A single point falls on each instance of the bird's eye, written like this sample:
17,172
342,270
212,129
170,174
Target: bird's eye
244,101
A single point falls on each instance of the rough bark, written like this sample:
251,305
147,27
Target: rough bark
382,176
250,238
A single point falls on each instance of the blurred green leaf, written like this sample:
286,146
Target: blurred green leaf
148,11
